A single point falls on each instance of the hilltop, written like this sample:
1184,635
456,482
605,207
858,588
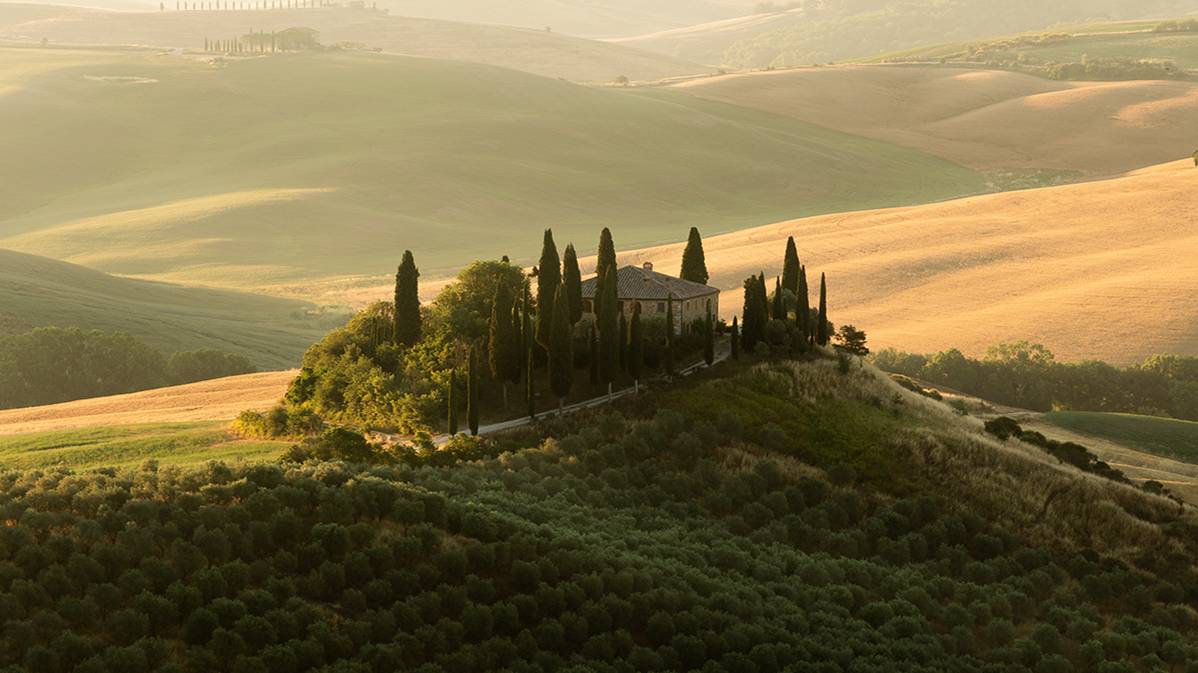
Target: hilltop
550,54
819,33
40,292
1007,124
1100,270
195,171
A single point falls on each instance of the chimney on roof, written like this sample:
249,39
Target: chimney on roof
648,266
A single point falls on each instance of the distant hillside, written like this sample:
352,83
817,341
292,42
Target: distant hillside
196,171
535,51
1101,270
844,29
1059,51
37,292
590,18
1005,123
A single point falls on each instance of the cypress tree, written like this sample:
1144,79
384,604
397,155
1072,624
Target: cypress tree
407,302
452,424
636,347
561,356
779,300
549,277
622,351
670,335
750,314
609,331
594,359
517,331
821,328
530,384
735,339
803,307
763,308
790,267
529,343
572,277
503,342
694,263
606,260
472,409
709,338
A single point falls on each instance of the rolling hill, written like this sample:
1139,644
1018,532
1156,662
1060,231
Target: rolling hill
1005,123
215,400
195,171
590,18
271,332
1132,40
1100,270
535,51
823,32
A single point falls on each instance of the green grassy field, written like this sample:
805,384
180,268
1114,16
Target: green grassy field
1159,436
129,445
277,171
272,332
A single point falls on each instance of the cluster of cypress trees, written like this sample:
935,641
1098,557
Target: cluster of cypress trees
759,310
522,332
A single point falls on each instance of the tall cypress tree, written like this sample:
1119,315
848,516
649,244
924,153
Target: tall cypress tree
549,277
407,301
609,331
593,361
763,299
670,335
472,410
529,343
779,300
622,351
605,260
503,342
803,307
517,332
790,267
636,348
751,318
452,403
709,337
561,344
735,339
530,382
694,263
821,328
572,277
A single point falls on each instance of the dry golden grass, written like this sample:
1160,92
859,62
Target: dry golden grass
1098,270
984,119
216,400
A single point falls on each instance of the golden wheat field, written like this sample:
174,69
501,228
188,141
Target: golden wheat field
216,400
983,119
1104,269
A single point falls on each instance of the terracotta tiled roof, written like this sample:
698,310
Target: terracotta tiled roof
635,282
